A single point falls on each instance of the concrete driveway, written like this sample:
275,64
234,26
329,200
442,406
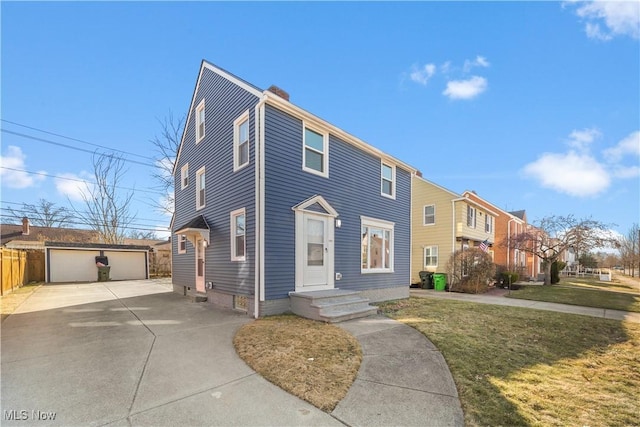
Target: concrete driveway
133,353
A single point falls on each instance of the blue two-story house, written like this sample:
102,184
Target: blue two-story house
273,201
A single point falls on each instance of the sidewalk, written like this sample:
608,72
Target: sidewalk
498,297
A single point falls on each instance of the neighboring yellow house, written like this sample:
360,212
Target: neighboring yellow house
441,223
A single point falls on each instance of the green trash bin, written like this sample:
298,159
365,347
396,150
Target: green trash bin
103,273
439,281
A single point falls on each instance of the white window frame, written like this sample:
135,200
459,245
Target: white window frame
471,216
182,243
431,250
184,176
237,143
424,215
383,179
488,224
380,225
325,150
200,122
233,217
201,172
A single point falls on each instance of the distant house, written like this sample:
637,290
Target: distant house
68,255
508,225
272,200
443,222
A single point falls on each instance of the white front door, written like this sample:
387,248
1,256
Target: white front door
314,250
200,265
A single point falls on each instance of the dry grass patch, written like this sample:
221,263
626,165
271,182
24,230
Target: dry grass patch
10,302
315,361
517,366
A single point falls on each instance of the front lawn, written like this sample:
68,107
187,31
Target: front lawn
516,366
580,294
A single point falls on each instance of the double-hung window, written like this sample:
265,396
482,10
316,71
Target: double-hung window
429,215
488,223
471,216
184,176
377,246
200,121
200,189
238,235
241,141
431,256
388,181
315,152
182,244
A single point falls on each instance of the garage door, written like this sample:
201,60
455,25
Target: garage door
127,265
66,265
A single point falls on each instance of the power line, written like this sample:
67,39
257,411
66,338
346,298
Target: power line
35,138
66,209
77,180
78,140
79,219
92,225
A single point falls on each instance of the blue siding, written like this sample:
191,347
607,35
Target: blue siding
226,190
353,189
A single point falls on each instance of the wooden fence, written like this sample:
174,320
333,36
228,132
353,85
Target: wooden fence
18,267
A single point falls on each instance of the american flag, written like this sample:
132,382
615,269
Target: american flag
484,246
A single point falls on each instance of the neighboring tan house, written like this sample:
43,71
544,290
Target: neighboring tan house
273,204
508,225
444,222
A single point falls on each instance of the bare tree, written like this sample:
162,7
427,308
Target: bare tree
554,235
43,214
629,246
470,270
166,149
143,235
107,211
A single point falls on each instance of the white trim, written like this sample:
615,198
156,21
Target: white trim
424,256
386,226
393,179
184,173
424,216
325,150
261,190
182,239
302,206
201,107
199,173
474,210
244,85
301,248
232,220
307,117
236,141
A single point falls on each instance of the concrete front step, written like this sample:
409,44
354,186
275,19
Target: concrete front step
334,305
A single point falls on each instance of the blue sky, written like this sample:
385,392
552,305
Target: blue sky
534,105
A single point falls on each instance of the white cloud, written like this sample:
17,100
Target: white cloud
581,139
423,74
626,172
621,18
480,61
629,145
15,159
465,89
571,173
72,186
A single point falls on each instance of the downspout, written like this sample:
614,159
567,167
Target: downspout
258,293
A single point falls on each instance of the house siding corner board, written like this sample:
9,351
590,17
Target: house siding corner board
353,189
226,190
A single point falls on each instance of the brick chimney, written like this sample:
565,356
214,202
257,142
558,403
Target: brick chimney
280,92
25,226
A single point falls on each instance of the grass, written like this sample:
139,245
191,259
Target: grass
515,366
10,302
315,361
584,292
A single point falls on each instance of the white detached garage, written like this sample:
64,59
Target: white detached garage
76,262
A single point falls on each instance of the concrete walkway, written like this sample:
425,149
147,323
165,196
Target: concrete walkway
132,353
498,297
